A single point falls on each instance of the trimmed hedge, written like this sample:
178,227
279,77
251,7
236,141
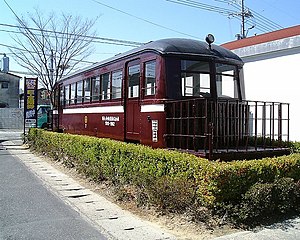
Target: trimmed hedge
169,179
228,181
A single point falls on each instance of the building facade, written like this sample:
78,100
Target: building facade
272,70
9,90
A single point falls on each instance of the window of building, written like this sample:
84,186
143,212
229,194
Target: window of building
117,84
95,88
105,86
195,77
4,85
134,81
87,90
226,80
150,79
79,94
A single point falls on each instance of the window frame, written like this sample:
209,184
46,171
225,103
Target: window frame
95,97
87,99
136,65
120,86
108,92
4,85
73,97
235,79
185,74
79,99
67,93
153,89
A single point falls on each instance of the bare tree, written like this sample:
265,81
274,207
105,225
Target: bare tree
51,47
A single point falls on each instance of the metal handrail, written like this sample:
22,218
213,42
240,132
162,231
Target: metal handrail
226,125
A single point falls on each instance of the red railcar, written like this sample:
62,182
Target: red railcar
172,93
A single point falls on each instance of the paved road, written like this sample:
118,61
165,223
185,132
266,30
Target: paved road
28,210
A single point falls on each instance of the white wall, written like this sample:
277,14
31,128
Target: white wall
276,79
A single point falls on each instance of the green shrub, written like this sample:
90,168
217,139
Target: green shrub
228,181
263,201
171,180
171,194
156,172
295,147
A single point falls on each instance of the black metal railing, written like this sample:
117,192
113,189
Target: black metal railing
211,127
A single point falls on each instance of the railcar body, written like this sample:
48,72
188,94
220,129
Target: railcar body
171,93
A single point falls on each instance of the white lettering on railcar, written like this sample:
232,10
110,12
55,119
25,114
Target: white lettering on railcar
111,118
154,130
110,121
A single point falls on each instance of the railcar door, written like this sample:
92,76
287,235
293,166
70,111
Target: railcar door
132,102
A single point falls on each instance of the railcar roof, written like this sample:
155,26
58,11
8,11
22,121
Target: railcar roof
171,46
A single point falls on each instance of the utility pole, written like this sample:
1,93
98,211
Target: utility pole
243,32
245,13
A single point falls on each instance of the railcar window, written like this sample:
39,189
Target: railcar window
87,90
67,94
226,80
61,96
79,94
195,77
95,88
105,86
73,93
150,78
4,85
134,81
116,84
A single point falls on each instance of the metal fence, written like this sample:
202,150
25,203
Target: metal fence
212,128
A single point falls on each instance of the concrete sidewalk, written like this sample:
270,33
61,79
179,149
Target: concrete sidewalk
287,230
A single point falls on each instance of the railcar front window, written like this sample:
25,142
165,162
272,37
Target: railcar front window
226,81
116,84
133,81
195,78
150,79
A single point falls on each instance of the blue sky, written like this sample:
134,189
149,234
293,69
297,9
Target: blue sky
147,20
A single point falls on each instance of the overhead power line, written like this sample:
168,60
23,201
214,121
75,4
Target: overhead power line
142,19
263,22
94,38
203,6
239,11
24,50
123,42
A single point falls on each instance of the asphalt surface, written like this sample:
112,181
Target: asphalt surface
28,210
